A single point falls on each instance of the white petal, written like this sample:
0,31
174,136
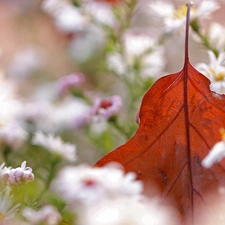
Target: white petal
162,9
207,7
215,155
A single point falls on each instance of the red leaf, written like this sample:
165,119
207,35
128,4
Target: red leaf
180,120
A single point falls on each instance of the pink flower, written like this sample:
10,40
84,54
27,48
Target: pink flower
18,175
68,82
107,107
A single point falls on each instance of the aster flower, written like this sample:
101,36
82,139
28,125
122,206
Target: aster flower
13,135
106,107
68,82
86,185
35,111
127,211
175,18
116,63
100,11
4,172
7,208
25,62
139,50
48,215
216,36
69,114
215,71
137,43
18,175
72,113
10,106
55,145
50,6
67,17
88,43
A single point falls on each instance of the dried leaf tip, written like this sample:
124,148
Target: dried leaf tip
191,3
186,57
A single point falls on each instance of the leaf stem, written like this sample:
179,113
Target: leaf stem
186,57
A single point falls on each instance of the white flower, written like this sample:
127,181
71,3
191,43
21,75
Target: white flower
47,214
175,18
4,172
25,62
206,8
215,71
127,211
13,135
141,48
51,6
216,35
101,12
36,111
56,145
86,185
71,113
216,154
153,64
18,175
136,43
9,105
88,43
138,49
67,17
7,208
116,63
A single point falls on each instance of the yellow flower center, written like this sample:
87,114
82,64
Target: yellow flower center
182,11
218,76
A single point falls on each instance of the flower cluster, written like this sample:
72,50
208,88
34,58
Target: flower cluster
108,196
11,177
86,185
18,175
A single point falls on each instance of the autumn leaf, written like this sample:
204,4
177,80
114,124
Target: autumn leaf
180,120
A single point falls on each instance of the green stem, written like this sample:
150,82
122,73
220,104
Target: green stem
6,152
119,128
205,41
52,172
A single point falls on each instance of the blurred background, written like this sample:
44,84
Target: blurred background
42,42
72,77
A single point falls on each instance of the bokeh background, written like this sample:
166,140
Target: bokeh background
41,44
72,76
